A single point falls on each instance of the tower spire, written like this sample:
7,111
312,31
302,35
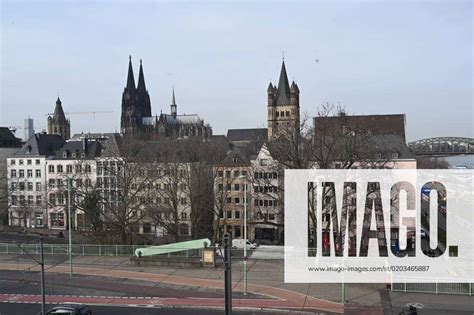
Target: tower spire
141,79
130,78
174,107
283,94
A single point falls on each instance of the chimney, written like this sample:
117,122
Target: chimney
84,145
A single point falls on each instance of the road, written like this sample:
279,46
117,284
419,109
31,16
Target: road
33,309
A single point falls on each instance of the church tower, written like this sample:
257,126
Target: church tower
58,124
143,97
283,107
131,119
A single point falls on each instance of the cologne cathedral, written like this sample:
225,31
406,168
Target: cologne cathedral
137,118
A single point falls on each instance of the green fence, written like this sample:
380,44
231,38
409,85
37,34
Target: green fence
86,250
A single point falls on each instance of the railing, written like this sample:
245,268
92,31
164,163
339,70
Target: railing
436,288
86,250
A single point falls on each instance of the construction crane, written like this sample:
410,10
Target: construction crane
84,113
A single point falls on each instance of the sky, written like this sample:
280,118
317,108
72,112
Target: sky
371,57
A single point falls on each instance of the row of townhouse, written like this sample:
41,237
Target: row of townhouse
47,175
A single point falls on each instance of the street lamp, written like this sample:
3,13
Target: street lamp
245,232
69,186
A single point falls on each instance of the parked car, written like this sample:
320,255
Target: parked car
239,244
70,309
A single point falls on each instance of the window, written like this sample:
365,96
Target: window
236,173
287,113
13,173
13,186
20,162
228,186
184,215
57,219
60,199
394,155
28,162
59,183
227,174
21,174
30,200
29,186
52,199
50,169
22,200
78,168
183,201
229,214
39,200
14,200
263,162
271,217
29,173
22,186
236,187
244,173
146,227
38,173
12,162
88,168
51,183
277,113
237,232
37,162
88,182
237,200
237,214
220,173
69,168
229,200
59,169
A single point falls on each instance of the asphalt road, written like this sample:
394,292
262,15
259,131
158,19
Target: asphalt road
33,309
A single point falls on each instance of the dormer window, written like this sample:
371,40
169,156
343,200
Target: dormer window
65,154
73,154
236,160
83,154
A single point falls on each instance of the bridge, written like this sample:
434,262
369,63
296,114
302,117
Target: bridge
442,146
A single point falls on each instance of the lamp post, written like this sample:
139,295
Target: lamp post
69,224
245,232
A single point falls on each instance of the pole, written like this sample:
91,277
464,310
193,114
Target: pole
343,292
228,274
43,297
245,236
69,224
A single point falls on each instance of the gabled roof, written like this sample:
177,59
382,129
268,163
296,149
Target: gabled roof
42,144
181,119
254,134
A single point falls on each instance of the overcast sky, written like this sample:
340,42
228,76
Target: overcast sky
372,57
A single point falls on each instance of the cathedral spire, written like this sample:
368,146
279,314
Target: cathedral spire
141,79
130,78
283,93
174,107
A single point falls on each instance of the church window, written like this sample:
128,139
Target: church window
277,113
